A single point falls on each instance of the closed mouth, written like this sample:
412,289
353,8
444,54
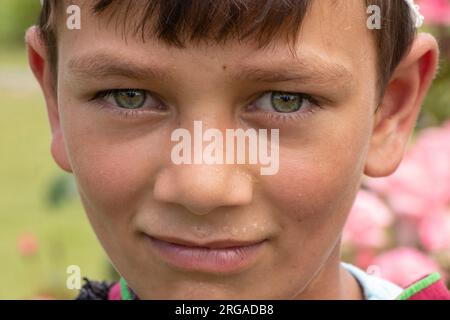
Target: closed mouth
219,256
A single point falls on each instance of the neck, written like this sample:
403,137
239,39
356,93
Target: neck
332,282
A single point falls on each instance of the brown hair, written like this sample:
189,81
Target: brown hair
178,21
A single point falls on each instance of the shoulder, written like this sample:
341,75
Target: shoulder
430,287
374,288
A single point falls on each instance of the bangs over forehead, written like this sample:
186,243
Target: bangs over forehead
178,22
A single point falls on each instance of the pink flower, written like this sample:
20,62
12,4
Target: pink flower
405,265
434,231
432,148
367,222
27,244
421,184
364,258
435,11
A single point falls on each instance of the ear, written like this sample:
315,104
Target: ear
39,63
397,114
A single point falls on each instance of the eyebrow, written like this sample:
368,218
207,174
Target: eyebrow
298,71
107,65
315,69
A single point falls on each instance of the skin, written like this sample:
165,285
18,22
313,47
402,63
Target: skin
128,184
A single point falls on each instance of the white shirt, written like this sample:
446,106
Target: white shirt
374,288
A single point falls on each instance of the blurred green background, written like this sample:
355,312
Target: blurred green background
43,228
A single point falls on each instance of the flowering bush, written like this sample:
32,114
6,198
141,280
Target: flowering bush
399,227
404,265
435,11
401,223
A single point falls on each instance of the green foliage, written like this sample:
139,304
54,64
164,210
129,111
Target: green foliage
62,233
62,189
437,103
15,17
436,108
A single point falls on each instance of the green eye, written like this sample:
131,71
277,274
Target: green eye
130,99
286,102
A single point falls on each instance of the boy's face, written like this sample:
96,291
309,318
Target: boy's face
130,187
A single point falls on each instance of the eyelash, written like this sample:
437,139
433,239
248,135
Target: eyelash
291,116
100,96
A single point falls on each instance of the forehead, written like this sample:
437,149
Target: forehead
332,31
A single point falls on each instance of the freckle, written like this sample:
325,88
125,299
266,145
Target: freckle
224,67
201,232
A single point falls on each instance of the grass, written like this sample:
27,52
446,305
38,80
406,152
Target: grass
27,170
15,56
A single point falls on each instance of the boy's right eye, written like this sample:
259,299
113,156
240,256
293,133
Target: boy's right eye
129,99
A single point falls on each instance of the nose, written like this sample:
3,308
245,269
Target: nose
202,188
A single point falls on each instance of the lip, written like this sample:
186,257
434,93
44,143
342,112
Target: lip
219,256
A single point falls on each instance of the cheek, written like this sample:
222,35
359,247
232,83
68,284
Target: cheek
110,175
319,178
114,168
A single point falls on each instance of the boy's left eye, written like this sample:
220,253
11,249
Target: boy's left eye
284,102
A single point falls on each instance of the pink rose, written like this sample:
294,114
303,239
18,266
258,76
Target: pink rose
405,265
435,11
367,222
364,258
421,184
27,244
434,231
432,149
